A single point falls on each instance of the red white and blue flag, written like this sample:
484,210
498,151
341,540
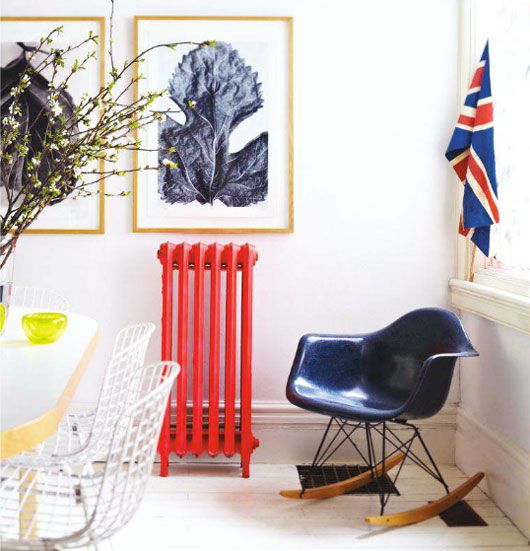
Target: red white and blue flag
471,153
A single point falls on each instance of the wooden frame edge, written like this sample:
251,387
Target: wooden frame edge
462,245
289,20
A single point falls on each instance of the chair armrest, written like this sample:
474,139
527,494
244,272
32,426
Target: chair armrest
433,383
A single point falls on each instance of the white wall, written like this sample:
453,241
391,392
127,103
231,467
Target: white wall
496,387
375,102
493,420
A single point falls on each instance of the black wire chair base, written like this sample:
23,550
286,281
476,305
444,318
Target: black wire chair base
315,477
391,444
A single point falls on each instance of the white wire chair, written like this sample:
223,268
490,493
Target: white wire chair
55,508
41,299
85,437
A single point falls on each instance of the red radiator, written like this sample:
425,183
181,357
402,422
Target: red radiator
221,427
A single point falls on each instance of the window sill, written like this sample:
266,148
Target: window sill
497,305
514,281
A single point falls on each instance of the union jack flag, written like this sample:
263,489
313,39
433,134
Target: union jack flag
471,153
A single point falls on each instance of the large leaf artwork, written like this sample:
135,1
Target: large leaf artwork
216,91
35,117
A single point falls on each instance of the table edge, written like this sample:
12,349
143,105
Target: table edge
28,435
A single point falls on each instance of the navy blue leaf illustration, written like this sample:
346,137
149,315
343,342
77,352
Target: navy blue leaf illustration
216,91
36,113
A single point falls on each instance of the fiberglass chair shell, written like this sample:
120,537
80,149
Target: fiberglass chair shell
395,375
403,371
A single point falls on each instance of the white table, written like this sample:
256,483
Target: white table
38,381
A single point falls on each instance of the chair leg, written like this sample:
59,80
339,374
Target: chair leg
369,446
431,459
320,446
383,457
402,449
323,454
314,463
383,497
406,448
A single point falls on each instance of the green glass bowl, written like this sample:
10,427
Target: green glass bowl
3,316
44,327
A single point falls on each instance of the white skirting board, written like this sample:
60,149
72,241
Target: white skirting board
291,435
507,467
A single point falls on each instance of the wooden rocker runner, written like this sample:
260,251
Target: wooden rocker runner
371,382
344,486
431,509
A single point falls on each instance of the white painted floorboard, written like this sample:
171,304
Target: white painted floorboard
210,507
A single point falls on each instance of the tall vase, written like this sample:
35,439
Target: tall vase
7,261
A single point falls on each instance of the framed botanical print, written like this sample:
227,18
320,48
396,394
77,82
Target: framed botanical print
225,143
19,37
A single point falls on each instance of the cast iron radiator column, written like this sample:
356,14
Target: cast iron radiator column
225,428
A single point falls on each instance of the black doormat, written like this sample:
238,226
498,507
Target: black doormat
329,474
462,514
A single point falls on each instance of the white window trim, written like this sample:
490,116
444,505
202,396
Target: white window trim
494,304
494,294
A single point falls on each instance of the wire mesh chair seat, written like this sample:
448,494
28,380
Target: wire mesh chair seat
65,507
72,434
38,299
84,437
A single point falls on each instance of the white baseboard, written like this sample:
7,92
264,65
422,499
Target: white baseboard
507,467
290,435
267,414
278,413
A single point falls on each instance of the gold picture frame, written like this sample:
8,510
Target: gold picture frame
289,227
102,40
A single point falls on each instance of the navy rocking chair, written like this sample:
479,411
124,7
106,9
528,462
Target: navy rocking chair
368,382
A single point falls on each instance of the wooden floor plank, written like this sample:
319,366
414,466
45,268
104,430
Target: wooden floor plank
204,507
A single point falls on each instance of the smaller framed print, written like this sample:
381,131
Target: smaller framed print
19,35
225,144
